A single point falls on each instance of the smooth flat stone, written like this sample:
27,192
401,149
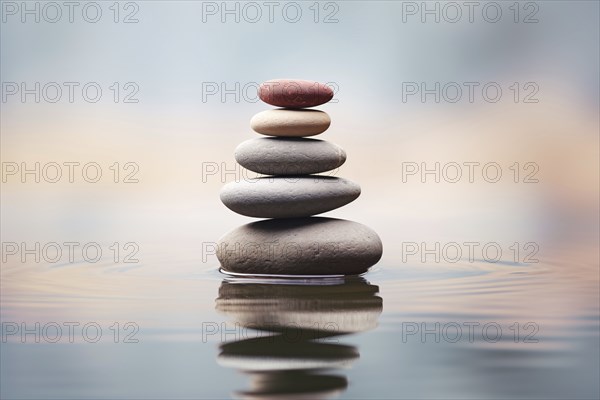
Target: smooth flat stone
289,196
285,122
289,156
300,246
294,93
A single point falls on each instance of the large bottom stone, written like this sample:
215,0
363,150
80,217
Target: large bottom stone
300,246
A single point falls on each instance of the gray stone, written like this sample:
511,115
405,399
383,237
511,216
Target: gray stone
284,122
300,246
288,197
289,156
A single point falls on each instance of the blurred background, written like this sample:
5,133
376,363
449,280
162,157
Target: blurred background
155,96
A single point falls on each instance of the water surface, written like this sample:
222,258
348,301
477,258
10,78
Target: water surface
437,330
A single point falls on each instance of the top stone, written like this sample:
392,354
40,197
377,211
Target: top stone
294,93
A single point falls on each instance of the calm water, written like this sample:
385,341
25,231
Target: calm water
447,330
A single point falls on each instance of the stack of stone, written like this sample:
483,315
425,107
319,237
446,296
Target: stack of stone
294,242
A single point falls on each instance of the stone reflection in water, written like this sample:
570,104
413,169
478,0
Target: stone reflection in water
296,347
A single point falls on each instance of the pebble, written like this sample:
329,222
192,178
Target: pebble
289,156
300,246
285,122
294,93
288,197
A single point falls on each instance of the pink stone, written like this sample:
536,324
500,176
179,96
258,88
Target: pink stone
294,93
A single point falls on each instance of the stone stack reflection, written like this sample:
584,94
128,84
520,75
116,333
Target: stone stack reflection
295,326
